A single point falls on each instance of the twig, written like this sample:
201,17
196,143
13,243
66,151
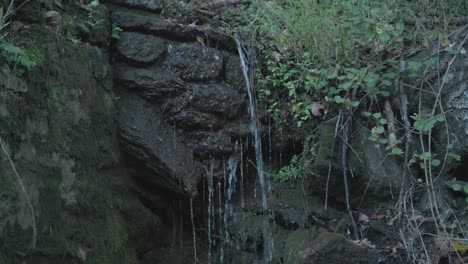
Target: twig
331,158
26,195
345,176
193,232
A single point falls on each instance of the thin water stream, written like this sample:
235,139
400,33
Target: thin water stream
267,237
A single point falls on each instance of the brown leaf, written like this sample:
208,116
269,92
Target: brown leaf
315,108
363,219
444,42
379,216
276,56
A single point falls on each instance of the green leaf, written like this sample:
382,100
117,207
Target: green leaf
384,37
465,188
419,124
414,66
338,99
385,93
430,61
397,151
440,118
451,50
355,103
426,156
367,114
435,162
386,82
456,187
454,156
383,121
377,115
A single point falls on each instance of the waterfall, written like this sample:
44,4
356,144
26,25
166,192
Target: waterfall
210,208
232,180
267,239
220,222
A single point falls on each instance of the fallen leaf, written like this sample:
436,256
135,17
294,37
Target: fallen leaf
276,56
363,219
315,108
444,42
378,216
460,246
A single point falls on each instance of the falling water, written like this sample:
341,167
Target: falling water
242,176
210,208
220,220
232,180
267,239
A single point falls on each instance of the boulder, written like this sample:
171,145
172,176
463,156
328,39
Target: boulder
140,48
152,82
142,20
195,62
150,5
334,248
218,99
166,162
205,143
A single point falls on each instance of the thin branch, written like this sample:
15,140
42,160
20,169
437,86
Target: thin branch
26,195
345,176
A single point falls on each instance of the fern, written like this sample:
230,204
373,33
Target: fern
15,55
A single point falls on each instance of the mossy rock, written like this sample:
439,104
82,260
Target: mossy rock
334,248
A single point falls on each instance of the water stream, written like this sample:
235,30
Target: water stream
210,209
267,238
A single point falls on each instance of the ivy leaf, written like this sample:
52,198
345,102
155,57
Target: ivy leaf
385,93
377,115
456,187
426,156
397,151
418,124
435,162
383,121
386,82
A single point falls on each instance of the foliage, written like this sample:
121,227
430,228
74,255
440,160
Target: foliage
321,55
9,53
116,31
290,172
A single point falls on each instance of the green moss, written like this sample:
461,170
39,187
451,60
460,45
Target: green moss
324,153
294,242
34,42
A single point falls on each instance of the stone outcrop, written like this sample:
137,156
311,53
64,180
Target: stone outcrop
180,102
64,194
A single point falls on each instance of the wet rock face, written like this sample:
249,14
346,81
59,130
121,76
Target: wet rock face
180,102
140,48
456,103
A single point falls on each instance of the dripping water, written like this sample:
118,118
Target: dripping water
267,239
229,191
210,209
220,220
